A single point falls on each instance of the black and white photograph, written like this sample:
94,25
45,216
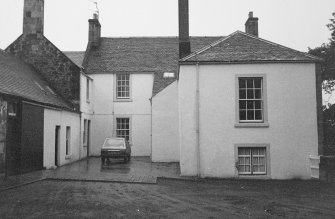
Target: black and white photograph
167,109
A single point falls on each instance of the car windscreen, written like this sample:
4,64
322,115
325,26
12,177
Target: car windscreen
114,143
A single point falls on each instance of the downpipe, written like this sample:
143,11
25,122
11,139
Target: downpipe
197,108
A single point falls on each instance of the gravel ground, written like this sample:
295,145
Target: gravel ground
171,199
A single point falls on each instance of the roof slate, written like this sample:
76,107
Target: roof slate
76,56
20,79
140,54
243,47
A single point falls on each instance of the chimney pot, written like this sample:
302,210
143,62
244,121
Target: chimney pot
95,16
251,14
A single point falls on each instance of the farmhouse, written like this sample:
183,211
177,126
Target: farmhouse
233,106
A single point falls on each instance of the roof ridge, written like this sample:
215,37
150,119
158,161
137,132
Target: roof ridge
155,37
251,36
279,45
207,47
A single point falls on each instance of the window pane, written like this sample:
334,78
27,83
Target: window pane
250,94
258,104
242,94
258,82
243,104
250,104
258,94
250,114
250,83
242,83
243,115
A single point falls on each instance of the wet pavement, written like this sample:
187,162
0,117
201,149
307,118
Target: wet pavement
138,170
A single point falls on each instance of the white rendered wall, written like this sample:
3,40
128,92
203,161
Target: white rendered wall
165,125
106,110
53,118
292,131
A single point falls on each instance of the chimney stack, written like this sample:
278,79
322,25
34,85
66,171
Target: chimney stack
184,37
33,17
251,26
94,32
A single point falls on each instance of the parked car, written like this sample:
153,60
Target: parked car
115,148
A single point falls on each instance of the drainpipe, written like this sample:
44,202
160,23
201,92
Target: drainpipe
198,118
151,129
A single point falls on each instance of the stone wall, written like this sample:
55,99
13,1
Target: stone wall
56,68
3,115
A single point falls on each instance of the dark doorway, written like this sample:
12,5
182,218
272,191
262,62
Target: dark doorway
88,137
32,138
57,136
13,138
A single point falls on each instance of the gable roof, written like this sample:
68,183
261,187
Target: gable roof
243,47
76,56
20,79
140,54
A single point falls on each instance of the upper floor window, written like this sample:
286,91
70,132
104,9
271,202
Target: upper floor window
123,86
251,101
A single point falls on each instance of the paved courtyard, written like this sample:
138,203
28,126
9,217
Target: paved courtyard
170,199
141,189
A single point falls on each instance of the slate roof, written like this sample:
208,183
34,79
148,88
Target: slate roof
243,47
21,80
140,54
76,56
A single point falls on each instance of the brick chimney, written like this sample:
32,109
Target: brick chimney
94,32
184,38
33,16
251,26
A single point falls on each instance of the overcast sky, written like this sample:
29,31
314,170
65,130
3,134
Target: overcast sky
298,24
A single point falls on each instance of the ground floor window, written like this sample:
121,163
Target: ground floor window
251,160
123,128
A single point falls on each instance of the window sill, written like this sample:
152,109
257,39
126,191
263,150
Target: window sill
123,100
253,177
68,157
252,125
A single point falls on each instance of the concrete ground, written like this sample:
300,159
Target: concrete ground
141,189
170,199
138,170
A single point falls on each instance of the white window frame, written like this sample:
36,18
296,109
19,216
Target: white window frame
126,98
251,123
130,125
265,174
